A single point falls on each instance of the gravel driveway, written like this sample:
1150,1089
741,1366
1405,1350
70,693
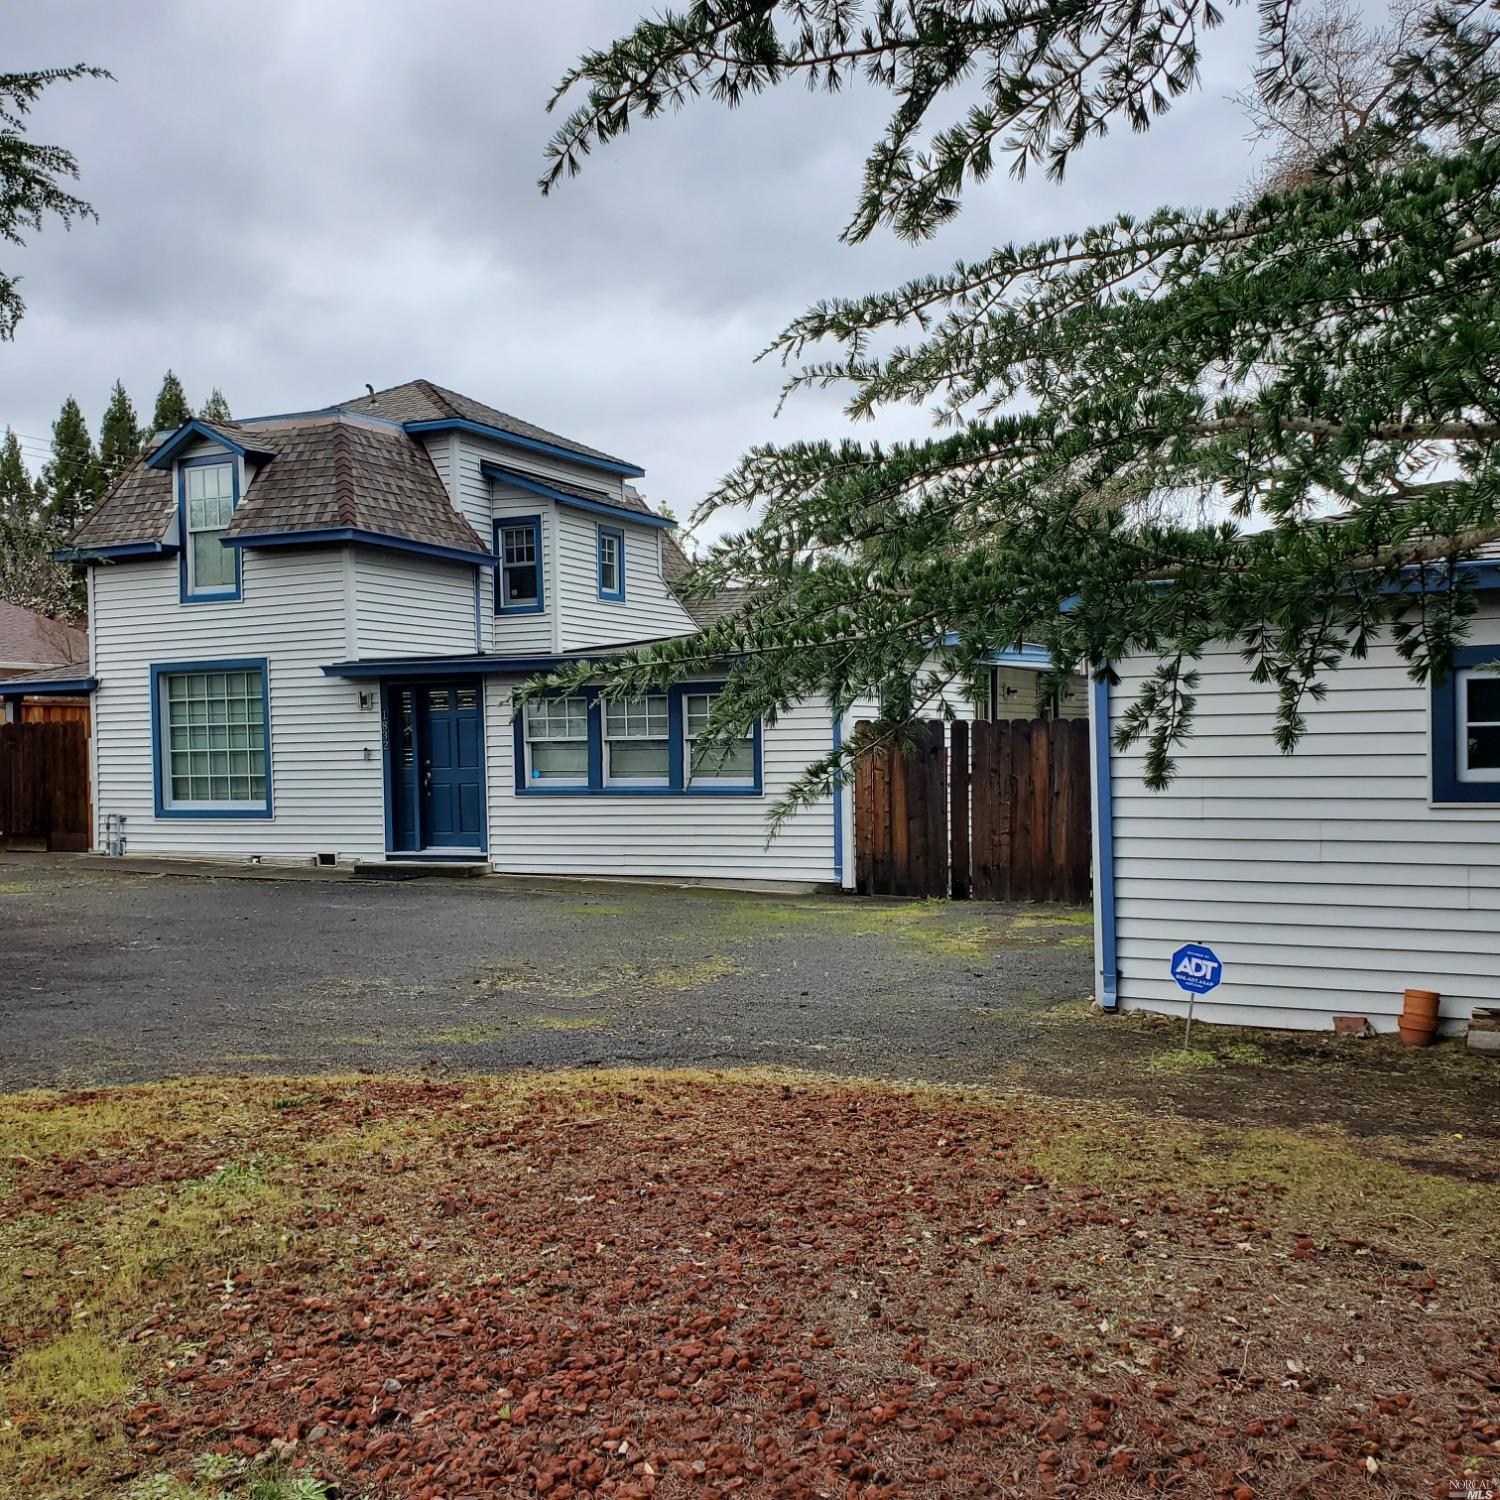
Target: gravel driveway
109,977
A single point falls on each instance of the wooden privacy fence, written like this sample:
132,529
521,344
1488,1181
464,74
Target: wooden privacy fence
44,786
997,811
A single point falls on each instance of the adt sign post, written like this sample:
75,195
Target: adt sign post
1197,970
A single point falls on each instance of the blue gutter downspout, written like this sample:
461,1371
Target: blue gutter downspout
838,810
1104,874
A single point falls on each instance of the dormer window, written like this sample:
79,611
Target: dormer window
518,577
612,564
208,493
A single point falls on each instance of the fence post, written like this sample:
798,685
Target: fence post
958,809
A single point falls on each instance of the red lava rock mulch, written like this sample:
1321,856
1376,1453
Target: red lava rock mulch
709,1289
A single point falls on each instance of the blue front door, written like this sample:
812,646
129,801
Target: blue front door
450,755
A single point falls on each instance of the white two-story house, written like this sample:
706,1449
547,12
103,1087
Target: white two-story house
306,631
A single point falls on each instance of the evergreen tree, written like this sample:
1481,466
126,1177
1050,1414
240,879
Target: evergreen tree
17,491
1150,419
216,408
31,175
172,408
71,480
120,436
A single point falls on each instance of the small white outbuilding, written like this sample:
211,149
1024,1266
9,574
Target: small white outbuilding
1324,882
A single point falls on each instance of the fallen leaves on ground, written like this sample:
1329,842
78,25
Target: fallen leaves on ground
638,1285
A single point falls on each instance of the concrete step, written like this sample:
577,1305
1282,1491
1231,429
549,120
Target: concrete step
422,869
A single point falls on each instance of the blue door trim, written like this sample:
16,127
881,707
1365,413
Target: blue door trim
390,772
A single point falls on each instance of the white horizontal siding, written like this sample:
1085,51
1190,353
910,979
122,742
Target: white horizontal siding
648,611
408,605
1325,880
326,795
672,838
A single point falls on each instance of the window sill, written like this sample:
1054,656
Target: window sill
639,791
211,814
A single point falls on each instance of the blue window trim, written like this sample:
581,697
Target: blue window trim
172,669
1446,787
677,782
505,523
205,596
614,595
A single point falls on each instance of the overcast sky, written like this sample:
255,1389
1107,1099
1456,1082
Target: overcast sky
297,198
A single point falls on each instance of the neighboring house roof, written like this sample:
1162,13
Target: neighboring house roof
321,472
422,401
28,639
705,610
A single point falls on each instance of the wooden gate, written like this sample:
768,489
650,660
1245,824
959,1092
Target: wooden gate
1000,812
44,786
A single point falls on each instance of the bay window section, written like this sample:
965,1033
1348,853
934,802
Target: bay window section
637,740
652,746
557,742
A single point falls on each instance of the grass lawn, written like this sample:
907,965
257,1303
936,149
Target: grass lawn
632,1283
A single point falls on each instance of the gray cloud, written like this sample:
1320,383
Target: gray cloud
297,199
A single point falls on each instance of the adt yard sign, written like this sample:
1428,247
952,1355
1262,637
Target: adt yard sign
1196,969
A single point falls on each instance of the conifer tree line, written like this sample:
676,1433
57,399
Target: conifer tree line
37,513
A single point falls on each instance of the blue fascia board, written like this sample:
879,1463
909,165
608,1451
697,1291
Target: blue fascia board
421,668
355,535
53,686
499,474
531,445
1104,875
164,456
115,550
1038,658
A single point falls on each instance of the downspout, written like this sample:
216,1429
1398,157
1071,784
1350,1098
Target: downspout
1104,848
838,809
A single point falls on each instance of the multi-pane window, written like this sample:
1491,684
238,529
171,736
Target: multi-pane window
208,508
557,741
731,761
652,746
519,545
213,740
1479,726
611,563
637,740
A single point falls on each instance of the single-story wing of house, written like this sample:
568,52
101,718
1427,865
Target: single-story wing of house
1283,890
306,631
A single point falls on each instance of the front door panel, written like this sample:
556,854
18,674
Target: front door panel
452,764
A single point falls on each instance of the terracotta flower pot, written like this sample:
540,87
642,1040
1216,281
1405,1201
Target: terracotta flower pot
1419,1018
